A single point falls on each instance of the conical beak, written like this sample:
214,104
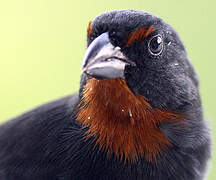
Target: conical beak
104,61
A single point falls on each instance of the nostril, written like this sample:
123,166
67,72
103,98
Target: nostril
117,38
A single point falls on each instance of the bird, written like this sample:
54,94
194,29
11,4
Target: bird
137,115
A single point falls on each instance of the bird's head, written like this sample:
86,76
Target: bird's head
136,71
144,51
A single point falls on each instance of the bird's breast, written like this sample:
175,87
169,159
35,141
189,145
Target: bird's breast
121,122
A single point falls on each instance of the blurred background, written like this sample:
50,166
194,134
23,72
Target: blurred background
42,45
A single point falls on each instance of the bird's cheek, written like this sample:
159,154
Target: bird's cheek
133,78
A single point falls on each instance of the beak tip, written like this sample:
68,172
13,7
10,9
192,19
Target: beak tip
86,71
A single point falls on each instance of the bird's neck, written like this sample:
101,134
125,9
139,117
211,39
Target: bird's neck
121,122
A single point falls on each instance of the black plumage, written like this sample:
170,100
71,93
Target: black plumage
49,143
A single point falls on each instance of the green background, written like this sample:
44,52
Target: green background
42,43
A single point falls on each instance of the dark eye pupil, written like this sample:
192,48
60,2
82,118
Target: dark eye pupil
156,45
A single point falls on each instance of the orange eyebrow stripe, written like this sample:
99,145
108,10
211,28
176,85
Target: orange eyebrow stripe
89,30
139,34
149,31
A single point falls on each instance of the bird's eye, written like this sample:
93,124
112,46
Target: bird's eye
155,45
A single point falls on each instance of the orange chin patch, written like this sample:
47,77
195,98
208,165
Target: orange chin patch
139,34
121,122
89,29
